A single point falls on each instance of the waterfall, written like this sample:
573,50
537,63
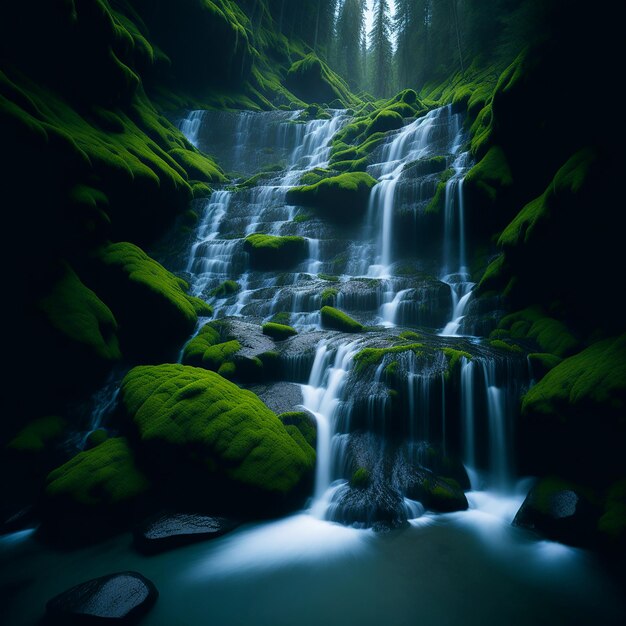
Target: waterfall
412,396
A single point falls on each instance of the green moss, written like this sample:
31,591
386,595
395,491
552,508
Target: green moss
455,356
227,288
304,422
373,357
329,296
198,166
133,279
284,317
503,345
271,252
410,335
342,197
491,174
101,477
329,278
550,334
38,434
338,320
208,349
423,167
361,478
542,362
177,408
566,184
384,121
596,376
612,524
311,80
278,331
436,205
76,311
97,437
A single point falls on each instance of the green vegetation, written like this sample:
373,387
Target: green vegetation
342,197
209,350
271,252
384,121
302,421
373,357
38,435
361,478
201,419
329,296
278,331
76,311
225,289
590,379
338,320
105,476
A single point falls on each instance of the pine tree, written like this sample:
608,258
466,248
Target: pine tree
380,50
350,34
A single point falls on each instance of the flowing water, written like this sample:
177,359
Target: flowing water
403,269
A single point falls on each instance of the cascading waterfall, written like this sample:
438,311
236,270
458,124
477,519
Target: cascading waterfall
367,283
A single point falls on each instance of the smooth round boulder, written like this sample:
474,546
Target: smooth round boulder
173,530
559,510
120,598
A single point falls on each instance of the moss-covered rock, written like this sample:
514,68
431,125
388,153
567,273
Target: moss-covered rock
76,312
578,407
38,435
559,510
152,303
271,252
385,121
338,320
313,81
612,523
94,493
551,335
341,198
360,478
304,423
225,289
278,331
436,493
194,422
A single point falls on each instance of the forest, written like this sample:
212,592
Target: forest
312,294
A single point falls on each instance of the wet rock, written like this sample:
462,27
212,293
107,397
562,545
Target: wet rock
118,598
375,505
172,530
434,492
559,510
280,397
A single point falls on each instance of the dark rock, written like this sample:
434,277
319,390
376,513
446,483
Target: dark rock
559,510
172,530
118,598
434,492
281,397
376,505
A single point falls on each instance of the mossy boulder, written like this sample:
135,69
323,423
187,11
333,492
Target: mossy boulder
576,407
559,510
198,166
195,425
77,314
226,289
210,350
341,198
385,121
94,493
304,423
279,332
338,320
612,523
152,304
361,478
435,492
37,436
311,80
271,252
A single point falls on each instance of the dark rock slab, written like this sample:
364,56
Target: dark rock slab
120,598
281,397
173,530
559,510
